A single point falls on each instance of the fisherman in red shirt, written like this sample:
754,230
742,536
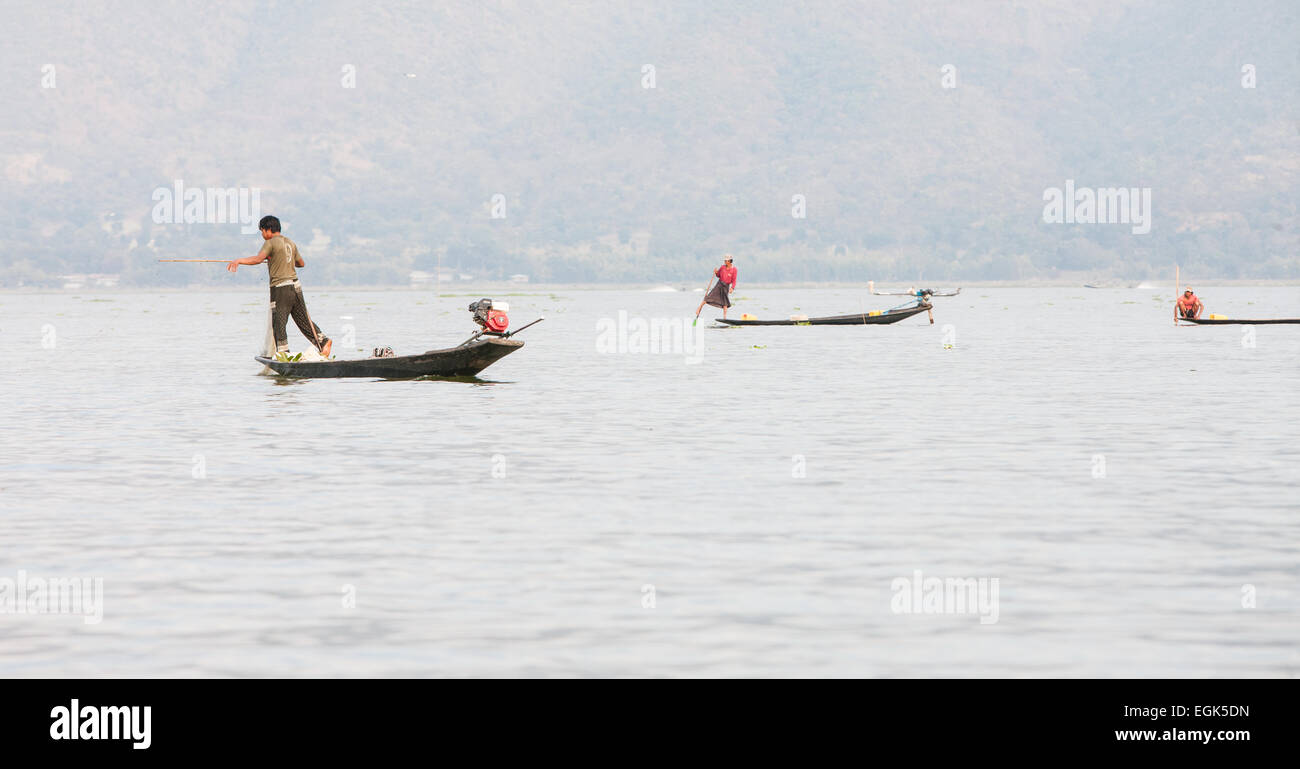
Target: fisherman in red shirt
720,295
1189,306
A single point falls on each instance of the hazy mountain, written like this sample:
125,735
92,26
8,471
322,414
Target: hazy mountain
602,178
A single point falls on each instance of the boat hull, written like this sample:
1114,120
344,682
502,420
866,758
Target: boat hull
1237,321
466,360
857,319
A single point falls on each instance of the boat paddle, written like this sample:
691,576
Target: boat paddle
219,261
702,301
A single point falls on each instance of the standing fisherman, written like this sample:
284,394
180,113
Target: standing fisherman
281,256
720,295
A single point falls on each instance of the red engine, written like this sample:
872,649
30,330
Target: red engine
490,315
497,320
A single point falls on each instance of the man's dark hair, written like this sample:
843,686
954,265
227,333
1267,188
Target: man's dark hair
269,223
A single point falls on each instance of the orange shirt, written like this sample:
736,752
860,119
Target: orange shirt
1188,302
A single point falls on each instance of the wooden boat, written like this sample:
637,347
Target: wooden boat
489,345
920,294
1237,321
856,319
1218,320
466,360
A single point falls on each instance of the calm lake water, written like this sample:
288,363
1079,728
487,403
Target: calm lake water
741,509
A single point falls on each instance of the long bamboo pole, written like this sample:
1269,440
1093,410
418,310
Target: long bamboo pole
1176,283
217,261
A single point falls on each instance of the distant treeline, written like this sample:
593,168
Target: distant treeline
829,141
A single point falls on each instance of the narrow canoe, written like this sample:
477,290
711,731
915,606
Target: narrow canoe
856,319
465,360
1237,321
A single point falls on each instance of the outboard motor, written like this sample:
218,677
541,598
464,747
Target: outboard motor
491,316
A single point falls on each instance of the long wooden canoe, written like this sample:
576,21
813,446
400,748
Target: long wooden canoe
1237,321
856,319
466,360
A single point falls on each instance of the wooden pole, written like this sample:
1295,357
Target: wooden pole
217,261
1176,282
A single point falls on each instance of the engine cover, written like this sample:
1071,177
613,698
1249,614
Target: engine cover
497,320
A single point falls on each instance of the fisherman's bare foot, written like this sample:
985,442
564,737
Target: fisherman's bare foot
325,351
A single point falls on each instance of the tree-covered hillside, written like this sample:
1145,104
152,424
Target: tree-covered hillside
600,177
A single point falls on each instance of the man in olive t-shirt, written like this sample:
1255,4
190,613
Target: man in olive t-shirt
282,257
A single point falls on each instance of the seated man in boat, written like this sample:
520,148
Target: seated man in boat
720,294
282,256
1189,306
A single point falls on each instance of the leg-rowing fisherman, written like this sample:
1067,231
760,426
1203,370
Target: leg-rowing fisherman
282,257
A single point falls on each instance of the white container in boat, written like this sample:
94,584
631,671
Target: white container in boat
502,306
798,317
